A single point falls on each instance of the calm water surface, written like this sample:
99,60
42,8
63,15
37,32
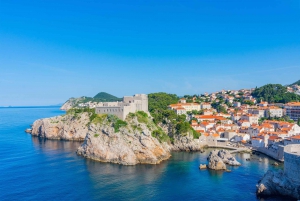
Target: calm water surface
37,169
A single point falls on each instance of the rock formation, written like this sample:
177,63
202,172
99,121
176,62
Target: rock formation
218,158
69,104
276,183
181,143
66,127
228,158
215,162
125,147
287,182
186,143
128,145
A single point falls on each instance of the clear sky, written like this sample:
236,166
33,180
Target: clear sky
52,50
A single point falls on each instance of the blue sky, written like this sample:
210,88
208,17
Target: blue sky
52,50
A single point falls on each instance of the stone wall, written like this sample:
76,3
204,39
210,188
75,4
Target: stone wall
138,102
292,162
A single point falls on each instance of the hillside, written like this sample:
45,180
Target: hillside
274,93
106,97
100,97
295,83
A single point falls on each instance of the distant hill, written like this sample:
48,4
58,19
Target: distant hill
274,93
298,83
100,97
106,97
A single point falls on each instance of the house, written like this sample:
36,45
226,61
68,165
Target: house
205,106
263,104
293,110
253,119
257,142
187,106
273,111
241,137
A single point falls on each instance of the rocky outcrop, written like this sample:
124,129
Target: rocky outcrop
127,147
228,158
202,166
129,144
218,158
66,127
186,143
215,162
276,183
69,104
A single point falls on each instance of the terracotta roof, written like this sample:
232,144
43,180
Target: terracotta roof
215,135
293,104
296,137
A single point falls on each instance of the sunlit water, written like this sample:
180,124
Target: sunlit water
37,169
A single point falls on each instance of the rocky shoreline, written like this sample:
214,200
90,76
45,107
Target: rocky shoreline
276,183
130,145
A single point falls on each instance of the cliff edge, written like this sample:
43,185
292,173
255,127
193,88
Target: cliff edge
107,138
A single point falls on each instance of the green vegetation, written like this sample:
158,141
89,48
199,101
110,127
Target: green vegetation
158,108
105,97
142,117
118,124
96,135
295,83
274,93
283,118
298,122
219,107
160,135
100,97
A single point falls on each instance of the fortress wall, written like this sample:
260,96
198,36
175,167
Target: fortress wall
292,162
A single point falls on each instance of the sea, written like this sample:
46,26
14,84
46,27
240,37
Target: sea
33,168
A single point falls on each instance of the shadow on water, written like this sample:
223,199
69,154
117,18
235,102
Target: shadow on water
55,145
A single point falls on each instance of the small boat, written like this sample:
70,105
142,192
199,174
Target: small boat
28,130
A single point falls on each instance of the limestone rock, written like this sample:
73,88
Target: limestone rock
228,158
215,162
186,143
276,183
202,166
65,127
124,147
218,159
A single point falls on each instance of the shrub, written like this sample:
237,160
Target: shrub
96,135
118,124
196,135
160,135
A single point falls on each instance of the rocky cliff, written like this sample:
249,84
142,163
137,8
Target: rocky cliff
70,103
66,127
276,183
106,138
127,147
181,143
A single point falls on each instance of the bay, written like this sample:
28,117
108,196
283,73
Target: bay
32,168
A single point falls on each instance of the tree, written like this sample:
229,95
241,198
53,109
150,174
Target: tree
275,93
298,122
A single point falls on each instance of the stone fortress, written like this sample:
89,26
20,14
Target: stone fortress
138,102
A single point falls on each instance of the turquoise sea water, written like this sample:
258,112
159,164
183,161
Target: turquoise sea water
37,169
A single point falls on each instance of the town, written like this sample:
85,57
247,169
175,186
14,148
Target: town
223,120
227,118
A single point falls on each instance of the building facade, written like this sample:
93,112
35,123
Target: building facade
293,110
138,102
